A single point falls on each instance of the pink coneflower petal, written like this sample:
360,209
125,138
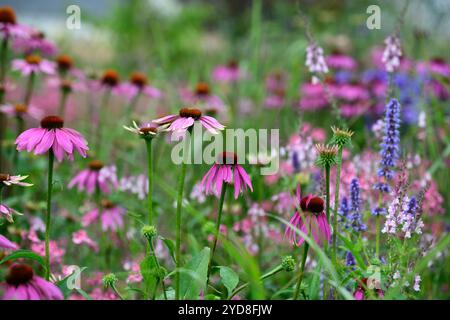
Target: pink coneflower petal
166,119
245,177
46,142
64,140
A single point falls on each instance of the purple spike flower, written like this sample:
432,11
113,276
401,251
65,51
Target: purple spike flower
355,207
390,149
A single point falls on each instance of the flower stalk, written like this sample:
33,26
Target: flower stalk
301,271
51,158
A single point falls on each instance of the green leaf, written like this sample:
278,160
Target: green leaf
26,254
230,279
149,272
170,246
64,286
83,294
194,275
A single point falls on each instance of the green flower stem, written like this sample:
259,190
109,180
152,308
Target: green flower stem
301,271
327,186
336,202
153,253
186,152
114,288
378,232
62,102
216,234
51,159
29,89
103,105
263,277
133,103
3,58
148,143
20,128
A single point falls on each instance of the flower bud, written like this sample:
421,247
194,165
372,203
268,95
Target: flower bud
288,263
149,232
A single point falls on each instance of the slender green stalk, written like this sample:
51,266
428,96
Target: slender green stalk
51,159
378,232
263,277
133,103
103,105
20,128
29,89
186,152
148,143
3,58
336,202
327,186
216,234
153,253
301,271
113,286
62,102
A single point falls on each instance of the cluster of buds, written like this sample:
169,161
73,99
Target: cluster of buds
392,53
315,61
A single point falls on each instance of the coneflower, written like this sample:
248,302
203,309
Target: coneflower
57,141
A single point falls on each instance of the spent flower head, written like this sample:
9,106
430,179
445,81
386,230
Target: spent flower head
326,155
341,137
109,280
288,263
146,131
149,232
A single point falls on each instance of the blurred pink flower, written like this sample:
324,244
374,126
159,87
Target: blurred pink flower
20,110
92,178
33,64
6,244
228,73
35,42
341,61
23,284
81,237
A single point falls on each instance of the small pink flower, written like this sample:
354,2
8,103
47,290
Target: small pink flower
202,95
186,118
311,220
91,178
228,73
137,84
6,244
33,64
23,284
226,170
8,212
34,42
52,135
81,237
341,61
20,110
9,28
111,216
56,252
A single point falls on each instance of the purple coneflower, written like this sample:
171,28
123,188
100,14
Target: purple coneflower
33,64
111,216
186,118
92,178
35,42
6,244
228,73
52,135
226,170
23,284
311,220
340,61
21,110
135,87
8,24
8,180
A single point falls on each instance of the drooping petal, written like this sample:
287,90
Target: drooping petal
46,142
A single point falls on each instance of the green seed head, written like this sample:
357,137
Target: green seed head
149,232
341,137
109,280
288,263
326,155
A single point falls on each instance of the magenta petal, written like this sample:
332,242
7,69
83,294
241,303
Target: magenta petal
245,177
64,140
46,142
237,182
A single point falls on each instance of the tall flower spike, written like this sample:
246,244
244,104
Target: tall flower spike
315,61
355,207
392,53
390,149
326,155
